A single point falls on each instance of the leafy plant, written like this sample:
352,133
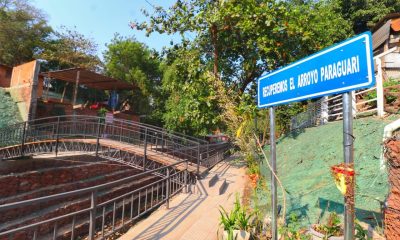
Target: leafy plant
102,112
332,227
228,221
292,231
237,219
361,233
389,99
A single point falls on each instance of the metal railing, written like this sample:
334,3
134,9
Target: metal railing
99,217
102,211
148,138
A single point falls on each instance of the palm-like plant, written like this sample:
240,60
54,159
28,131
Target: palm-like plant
228,221
237,219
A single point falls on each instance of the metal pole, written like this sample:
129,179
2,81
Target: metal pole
92,222
98,137
167,190
198,159
348,151
185,178
145,150
57,135
23,139
274,212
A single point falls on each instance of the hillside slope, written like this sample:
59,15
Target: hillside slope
304,161
9,113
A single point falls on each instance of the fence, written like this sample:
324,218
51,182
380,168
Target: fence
365,101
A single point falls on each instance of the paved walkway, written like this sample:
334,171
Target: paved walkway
193,216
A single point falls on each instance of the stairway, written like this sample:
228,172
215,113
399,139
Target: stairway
43,177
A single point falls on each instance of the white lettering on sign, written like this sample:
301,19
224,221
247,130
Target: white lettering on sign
308,78
341,68
278,87
331,71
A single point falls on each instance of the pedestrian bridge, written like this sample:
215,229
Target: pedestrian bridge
177,161
136,144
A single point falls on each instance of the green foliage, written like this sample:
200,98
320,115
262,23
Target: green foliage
133,62
68,48
237,219
23,31
192,104
389,99
241,39
293,229
361,233
364,14
332,227
102,112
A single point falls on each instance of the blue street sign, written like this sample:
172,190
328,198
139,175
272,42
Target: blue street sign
340,68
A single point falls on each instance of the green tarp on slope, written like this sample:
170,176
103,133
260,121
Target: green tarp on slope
304,161
9,113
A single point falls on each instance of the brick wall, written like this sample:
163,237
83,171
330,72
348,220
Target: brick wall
392,212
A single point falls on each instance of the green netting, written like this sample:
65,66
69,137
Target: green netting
304,161
9,113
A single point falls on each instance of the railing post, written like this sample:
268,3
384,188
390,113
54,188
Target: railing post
198,159
23,139
379,89
167,190
208,150
185,178
98,136
145,150
92,220
57,134
162,141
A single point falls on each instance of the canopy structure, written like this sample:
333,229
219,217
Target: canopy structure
81,76
89,79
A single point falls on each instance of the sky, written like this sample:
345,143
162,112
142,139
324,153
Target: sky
101,19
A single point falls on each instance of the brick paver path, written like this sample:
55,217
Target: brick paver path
193,216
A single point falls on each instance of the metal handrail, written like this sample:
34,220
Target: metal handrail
169,178
125,131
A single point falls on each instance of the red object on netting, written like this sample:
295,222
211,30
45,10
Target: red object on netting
343,170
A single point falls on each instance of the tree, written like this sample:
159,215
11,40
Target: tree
133,62
68,48
238,40
192,104
23,32
241,39
364,14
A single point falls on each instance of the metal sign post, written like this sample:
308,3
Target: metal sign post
339,69
274,213
348,151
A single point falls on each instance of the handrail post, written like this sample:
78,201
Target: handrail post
57,134
208,150
23,139
145,150
92,221
98,136
198,159
162,141
185,178
167,190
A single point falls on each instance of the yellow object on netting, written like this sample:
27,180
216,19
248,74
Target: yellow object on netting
343,176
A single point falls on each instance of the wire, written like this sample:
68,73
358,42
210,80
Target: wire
277,178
